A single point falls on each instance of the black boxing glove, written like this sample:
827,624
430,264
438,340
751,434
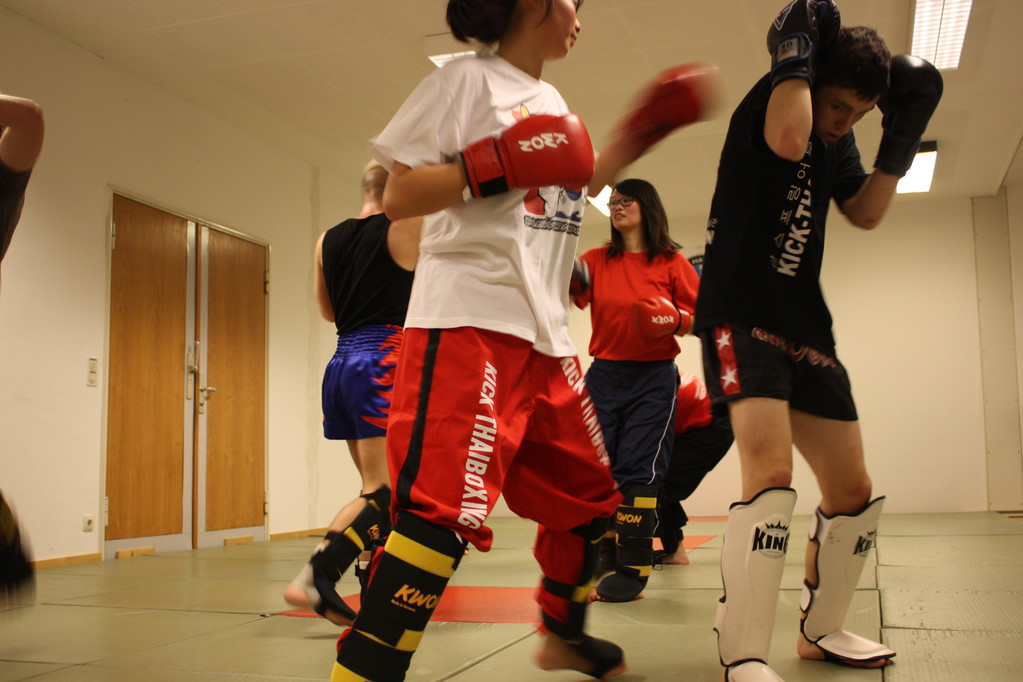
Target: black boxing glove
579,283
914,89
799,32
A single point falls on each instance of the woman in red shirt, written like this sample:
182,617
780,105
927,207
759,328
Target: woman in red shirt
641,293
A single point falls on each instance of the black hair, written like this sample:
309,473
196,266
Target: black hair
654,221
858,60
486,21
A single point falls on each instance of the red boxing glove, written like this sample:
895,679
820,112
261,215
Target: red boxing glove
677,97
535,152
657,317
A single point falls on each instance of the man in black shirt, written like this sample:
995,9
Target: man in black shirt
21,140
769,353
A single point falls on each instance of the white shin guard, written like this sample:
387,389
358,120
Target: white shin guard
752,561
843,544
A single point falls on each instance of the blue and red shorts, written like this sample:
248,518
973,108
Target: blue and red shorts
358,382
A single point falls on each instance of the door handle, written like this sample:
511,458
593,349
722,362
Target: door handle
204,395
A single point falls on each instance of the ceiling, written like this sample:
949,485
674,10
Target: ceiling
319,77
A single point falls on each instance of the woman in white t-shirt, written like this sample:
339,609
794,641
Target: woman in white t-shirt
489,397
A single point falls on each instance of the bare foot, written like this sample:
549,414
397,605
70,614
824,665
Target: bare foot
679,558
556,654
297,594
811,652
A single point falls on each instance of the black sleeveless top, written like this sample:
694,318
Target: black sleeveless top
12,197
365,285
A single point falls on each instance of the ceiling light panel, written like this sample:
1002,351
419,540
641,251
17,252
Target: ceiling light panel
939,30
920,174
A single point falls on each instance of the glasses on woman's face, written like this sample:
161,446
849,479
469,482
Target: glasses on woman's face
625,202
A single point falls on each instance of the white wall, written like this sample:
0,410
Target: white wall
905,302
1014,211
107,129
904,298
1014,199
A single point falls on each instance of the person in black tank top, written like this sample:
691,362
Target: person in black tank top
21,140
362,281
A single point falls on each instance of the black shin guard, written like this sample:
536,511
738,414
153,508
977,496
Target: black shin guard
369,528
635,524
603,654
577,595
607,556
407,581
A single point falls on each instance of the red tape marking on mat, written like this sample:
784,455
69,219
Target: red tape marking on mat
299,613
689,541
485,604
469,605
694,541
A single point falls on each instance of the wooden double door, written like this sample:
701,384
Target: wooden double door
186,389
